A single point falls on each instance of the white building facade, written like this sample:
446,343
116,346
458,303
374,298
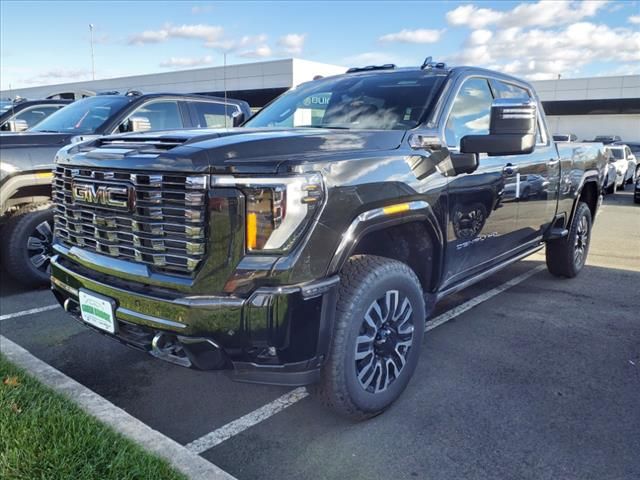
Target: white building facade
584,106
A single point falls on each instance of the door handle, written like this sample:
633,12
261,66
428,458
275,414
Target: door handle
510,169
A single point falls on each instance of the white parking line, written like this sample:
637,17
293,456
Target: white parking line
29,312
190,464
483,297
235,427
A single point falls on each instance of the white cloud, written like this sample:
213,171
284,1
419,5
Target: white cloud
545,13
208,33
178,62
413,36
292,43
635,19
539,53
261,51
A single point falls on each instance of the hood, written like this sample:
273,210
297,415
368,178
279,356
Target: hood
35,139
236,150
257,150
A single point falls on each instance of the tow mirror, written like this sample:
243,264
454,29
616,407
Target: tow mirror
139,124
17,125
238,118
512,129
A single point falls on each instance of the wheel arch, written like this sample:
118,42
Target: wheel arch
413,237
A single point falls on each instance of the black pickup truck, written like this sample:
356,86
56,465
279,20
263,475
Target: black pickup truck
27,161
21,114
310,246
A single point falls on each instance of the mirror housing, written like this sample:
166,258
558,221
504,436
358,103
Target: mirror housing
17,125
238,118
139,124
512,129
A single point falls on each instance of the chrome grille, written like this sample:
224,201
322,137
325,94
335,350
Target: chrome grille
164,228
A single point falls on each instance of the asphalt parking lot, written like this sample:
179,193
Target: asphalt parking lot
539,381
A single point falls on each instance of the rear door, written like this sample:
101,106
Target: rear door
534,191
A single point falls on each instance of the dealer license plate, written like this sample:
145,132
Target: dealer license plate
98,311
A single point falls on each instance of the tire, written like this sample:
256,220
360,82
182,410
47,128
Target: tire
566,256
611,189
26,249
388,352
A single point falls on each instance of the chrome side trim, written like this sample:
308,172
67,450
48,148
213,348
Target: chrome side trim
148,318
487,273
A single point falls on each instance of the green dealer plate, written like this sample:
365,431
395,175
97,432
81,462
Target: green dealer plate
98,311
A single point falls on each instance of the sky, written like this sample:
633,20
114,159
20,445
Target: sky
48,42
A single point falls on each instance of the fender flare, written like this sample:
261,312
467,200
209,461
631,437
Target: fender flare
589,176
384,217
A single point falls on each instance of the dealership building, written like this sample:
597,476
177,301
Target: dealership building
584,106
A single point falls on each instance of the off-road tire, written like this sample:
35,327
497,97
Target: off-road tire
15,256
561,254
364,280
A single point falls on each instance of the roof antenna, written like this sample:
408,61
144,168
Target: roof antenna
427,61
225,89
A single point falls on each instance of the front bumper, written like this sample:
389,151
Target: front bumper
276,335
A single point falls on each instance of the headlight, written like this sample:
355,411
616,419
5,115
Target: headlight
277,209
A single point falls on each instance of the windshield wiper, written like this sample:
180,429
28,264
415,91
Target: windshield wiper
45,131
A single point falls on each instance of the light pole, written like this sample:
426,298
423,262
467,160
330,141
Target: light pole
93,65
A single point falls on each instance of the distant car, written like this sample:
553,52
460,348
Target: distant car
20,115
633,146
625,163
609,182
607,139
565,137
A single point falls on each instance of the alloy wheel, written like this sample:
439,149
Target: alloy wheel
582,242
384,341
39,247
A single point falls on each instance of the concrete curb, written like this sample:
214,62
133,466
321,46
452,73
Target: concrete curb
188,463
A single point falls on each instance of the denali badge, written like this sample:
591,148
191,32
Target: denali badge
107,195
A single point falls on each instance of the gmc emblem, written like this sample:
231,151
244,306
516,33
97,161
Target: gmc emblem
106,195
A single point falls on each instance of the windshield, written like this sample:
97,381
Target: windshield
83,116
388,101
617,153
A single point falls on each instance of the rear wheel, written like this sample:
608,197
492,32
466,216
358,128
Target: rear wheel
566,256
377,336
26,249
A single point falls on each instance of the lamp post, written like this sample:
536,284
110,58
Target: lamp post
93,65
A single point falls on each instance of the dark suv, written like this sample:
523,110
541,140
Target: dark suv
310,246
27,161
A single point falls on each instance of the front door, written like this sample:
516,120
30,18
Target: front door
482,205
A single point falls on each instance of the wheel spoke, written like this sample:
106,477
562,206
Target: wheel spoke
34,243
367,374
391,300
44,229
39,260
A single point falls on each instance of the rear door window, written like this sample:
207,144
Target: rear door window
161,115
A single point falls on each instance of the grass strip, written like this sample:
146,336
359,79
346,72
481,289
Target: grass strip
43,435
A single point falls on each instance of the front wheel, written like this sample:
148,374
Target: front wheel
566,256
378,331
26,250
